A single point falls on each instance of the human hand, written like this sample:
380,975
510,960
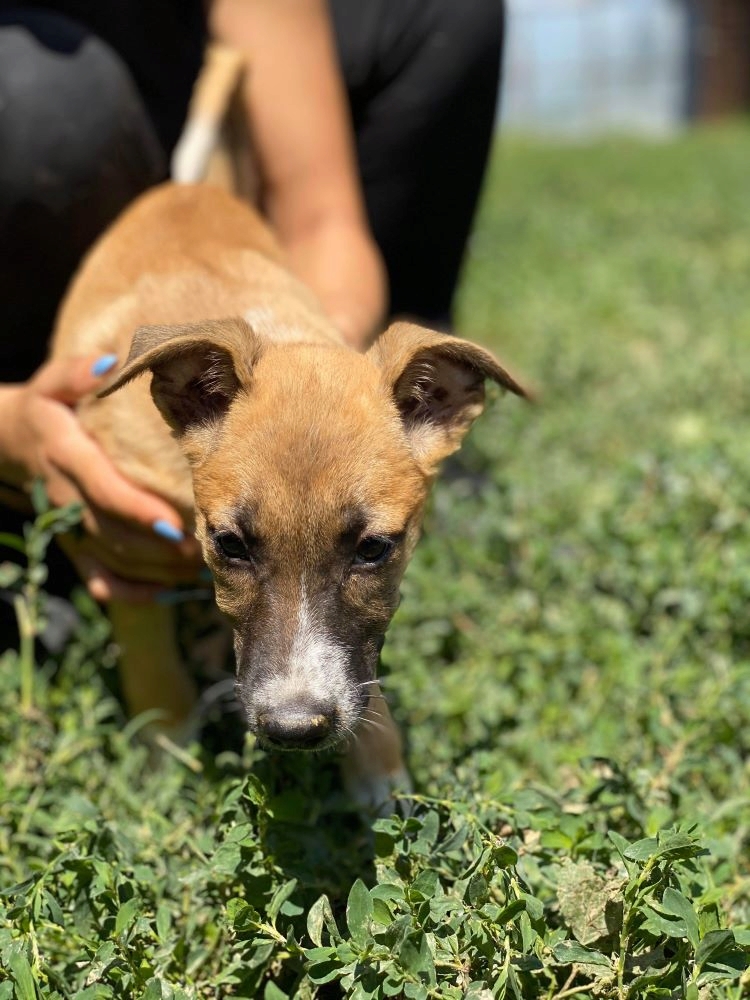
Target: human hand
134,543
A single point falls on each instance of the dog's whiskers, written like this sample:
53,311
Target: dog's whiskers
382,681
373,695
373,724
371,721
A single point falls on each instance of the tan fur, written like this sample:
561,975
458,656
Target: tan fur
275,432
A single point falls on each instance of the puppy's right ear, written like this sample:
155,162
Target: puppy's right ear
437,384
197,370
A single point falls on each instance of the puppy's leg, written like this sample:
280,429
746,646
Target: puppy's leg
373,768
151,672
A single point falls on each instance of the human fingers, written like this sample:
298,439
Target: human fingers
70,379
135,555
105,489
104,585
64,451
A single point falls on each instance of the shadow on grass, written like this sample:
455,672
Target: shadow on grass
305,822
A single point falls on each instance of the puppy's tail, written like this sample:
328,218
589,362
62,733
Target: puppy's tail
218,80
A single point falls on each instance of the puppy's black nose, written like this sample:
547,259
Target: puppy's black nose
296,725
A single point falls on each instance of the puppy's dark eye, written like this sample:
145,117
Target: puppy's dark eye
231,546
373,550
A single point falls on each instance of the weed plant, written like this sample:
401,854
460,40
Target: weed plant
571,661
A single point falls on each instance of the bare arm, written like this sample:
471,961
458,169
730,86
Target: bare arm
301,129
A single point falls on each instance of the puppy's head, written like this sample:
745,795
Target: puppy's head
311,466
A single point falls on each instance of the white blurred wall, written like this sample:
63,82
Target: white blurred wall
576,67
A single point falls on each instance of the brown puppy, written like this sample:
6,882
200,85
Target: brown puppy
303,465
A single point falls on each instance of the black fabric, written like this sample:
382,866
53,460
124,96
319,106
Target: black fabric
76,146
160,41
422,77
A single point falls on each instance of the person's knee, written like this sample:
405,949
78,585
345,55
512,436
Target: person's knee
77,147
68,105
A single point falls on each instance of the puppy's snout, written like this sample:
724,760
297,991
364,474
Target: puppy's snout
297,725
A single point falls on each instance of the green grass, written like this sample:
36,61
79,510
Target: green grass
571,662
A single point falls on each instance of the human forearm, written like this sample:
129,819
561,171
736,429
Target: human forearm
337,261
302,137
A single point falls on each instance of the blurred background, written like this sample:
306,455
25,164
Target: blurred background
578,67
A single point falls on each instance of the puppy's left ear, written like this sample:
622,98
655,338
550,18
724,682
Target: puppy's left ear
196,371
437,384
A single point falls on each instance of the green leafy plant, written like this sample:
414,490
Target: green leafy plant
27,582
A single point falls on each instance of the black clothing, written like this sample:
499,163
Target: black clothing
160,41
93,96
422,77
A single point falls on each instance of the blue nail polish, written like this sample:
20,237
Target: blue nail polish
168,531
104,364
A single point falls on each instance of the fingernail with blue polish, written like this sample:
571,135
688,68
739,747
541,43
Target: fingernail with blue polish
168,531
104,364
